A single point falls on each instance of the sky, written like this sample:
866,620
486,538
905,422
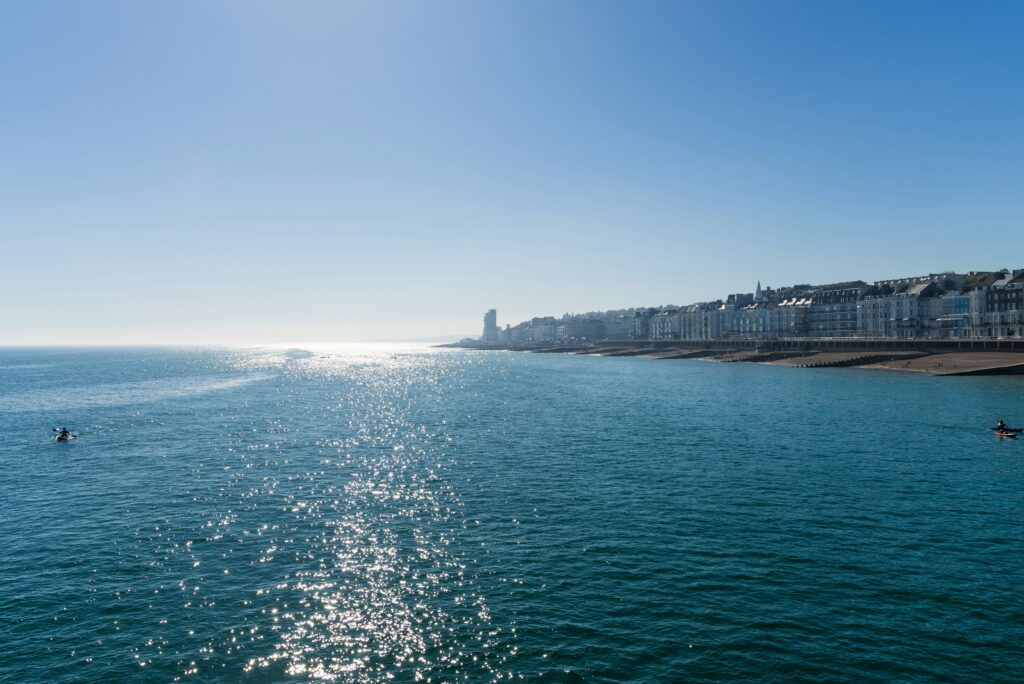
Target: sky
276,172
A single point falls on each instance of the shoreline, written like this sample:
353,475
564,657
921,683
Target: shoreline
935,362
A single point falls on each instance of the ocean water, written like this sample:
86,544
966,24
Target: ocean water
389,513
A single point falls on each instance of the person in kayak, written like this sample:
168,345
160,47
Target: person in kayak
63,434
1001,426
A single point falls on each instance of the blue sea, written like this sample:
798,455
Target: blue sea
399,513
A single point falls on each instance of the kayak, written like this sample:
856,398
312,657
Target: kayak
1010,435
62,438
1008,430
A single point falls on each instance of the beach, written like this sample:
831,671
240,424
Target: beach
930,359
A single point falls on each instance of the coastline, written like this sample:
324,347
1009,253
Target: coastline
928,359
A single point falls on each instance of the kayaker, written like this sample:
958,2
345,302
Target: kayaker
1001,426
64,434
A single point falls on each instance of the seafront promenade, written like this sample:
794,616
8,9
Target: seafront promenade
934,357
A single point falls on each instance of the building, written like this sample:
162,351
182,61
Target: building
728,318
948,316
642,323
515,334
619,327
543,329
997,305
702,321
833,311
586,328
768,319
580,328
948,305
664,325
789,318
874,312
490,335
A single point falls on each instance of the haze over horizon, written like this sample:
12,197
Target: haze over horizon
199,172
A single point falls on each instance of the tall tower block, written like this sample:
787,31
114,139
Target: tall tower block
490,327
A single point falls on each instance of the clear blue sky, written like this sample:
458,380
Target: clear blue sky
314,171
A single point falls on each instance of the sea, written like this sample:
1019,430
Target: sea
378,513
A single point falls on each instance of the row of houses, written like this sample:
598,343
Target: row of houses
939,305
569,327
936,306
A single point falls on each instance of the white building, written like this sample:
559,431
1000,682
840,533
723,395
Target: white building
664,325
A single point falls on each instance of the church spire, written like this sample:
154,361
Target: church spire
757,295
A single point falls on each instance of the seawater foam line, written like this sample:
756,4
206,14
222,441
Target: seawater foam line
125,393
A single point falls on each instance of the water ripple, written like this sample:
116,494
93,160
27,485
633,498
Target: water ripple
388,513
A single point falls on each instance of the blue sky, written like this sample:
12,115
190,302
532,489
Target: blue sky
312,171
